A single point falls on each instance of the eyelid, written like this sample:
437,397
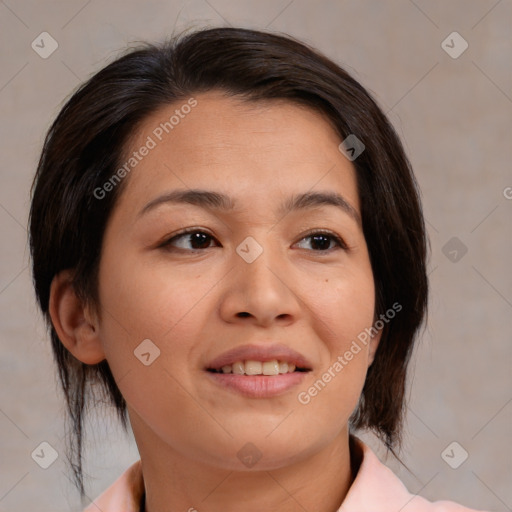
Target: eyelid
185,231
195,229
319,231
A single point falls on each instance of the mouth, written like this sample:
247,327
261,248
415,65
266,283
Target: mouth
259,371
253,367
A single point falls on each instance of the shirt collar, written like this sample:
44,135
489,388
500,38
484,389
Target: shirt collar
375,487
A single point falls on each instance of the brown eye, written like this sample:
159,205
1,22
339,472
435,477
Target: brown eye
189,240
321,241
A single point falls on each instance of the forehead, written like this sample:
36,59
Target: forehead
254,151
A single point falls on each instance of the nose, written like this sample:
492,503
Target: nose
260,292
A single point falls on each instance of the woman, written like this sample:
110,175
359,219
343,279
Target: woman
227,239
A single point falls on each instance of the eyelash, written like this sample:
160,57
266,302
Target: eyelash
337,239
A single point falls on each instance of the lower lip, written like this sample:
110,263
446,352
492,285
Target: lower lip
258,386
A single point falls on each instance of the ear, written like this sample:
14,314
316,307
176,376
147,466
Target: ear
76,326
374,345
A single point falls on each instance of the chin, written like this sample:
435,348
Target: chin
255,452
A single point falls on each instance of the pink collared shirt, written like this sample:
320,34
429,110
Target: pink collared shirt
375,489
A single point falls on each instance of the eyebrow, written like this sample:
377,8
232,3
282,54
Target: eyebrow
211,200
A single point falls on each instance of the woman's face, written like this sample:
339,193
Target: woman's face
262,278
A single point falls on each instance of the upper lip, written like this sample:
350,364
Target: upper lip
260,353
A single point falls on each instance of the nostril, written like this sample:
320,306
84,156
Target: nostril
243,314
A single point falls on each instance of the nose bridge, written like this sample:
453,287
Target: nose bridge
260,273
259,285
259,265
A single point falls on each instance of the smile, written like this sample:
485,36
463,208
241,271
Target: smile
251,367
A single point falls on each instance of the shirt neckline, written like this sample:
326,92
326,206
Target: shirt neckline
356,457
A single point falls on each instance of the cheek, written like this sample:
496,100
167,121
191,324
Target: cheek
344,308
156,303
152,300
342,316
164,306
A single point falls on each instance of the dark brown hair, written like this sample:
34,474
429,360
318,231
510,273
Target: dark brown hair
83,149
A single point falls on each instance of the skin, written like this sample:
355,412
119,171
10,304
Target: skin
187,302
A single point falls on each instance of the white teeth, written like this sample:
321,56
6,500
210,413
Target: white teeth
251,367
270,368
238,368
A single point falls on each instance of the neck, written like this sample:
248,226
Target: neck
175,482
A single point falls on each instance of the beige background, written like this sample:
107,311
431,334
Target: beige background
454,115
